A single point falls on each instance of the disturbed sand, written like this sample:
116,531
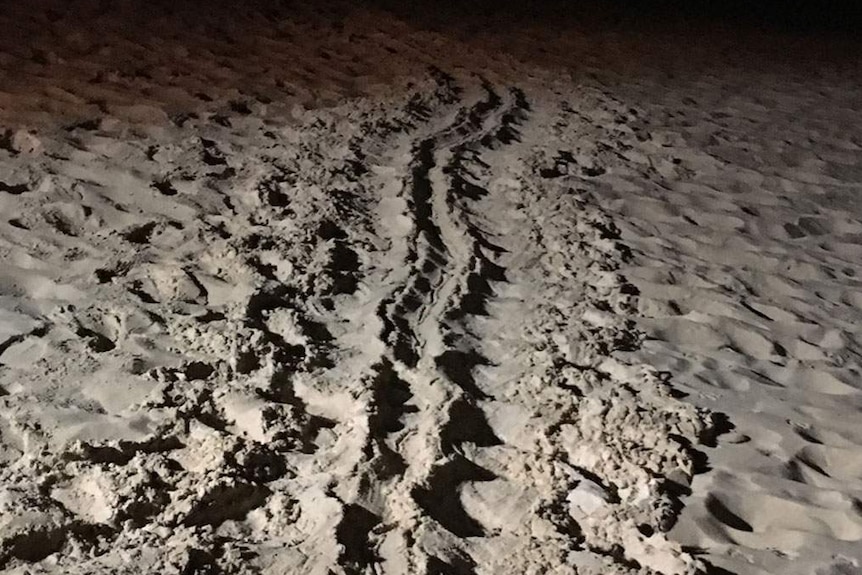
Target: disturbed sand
315,290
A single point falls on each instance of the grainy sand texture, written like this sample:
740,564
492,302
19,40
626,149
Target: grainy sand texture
328,288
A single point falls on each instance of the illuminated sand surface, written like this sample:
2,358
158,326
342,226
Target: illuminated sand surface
326,290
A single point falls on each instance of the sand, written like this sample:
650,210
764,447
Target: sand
314,289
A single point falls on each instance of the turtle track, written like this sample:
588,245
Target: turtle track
390,391
425,319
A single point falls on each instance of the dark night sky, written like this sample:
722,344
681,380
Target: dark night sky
808,16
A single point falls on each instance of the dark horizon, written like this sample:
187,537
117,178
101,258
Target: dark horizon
805,16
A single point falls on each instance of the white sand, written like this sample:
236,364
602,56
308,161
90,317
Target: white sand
284,296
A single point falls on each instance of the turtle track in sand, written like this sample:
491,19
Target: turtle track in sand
379,342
